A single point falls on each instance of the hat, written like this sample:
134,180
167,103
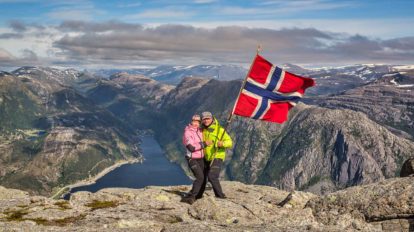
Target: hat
206,114
196,117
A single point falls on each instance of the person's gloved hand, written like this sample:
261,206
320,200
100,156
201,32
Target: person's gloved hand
190,147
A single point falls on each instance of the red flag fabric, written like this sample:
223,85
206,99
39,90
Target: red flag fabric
270,92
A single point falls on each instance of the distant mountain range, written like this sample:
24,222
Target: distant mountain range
330,80
174,74
59,126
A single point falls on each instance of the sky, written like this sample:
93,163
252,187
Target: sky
126,34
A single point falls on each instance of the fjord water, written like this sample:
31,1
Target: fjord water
155,170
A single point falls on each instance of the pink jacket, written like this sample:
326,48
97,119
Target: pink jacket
194,137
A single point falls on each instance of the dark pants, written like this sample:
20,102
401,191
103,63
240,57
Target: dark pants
197,167
212,171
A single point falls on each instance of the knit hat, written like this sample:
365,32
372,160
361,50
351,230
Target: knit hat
196,117
206,114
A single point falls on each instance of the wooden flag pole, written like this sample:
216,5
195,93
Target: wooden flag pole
259,49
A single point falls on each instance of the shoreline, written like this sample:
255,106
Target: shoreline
92,180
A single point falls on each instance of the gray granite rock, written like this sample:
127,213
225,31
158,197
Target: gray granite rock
385,206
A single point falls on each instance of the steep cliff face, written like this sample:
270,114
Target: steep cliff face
132,98
384,206
51,136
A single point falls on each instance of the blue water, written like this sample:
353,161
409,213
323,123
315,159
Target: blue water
155,170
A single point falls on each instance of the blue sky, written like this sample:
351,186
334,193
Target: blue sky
210,12
37,30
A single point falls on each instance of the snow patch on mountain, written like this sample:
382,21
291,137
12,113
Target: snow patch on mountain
403,68
401,86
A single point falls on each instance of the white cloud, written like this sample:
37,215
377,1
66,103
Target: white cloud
382,28
5,55
115,43
36,39
180,44
29,54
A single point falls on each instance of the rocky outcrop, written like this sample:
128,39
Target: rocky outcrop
407,168
8,194
375,207
387,205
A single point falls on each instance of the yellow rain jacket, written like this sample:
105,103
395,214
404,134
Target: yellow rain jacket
214,133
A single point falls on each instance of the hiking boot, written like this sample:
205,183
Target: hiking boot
222,197
188,199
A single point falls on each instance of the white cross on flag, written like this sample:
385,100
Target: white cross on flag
270,92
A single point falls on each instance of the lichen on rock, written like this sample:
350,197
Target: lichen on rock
384,206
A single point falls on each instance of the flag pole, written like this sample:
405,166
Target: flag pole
259,49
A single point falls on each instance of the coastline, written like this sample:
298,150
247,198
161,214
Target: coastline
92,180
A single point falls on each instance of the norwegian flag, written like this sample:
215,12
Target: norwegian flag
270,92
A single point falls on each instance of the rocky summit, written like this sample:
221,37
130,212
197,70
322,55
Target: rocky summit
384,206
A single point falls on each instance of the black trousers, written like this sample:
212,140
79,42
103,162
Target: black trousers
212,172
197,166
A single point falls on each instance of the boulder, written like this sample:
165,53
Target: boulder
12,194
386,204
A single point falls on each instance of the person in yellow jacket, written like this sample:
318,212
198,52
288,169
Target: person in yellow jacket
217,141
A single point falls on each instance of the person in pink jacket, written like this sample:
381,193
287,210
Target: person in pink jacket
193,141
